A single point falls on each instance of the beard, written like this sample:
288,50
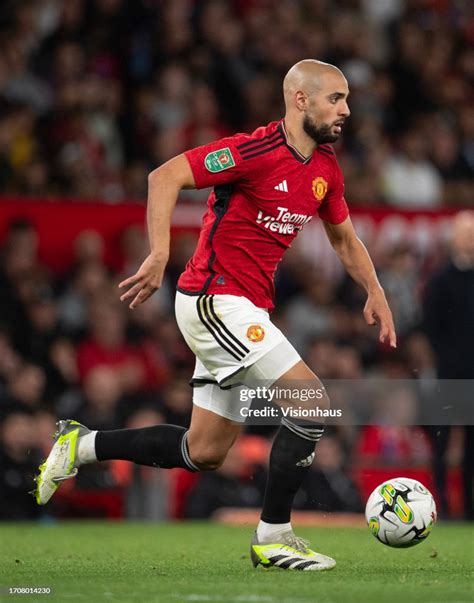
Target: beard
320,134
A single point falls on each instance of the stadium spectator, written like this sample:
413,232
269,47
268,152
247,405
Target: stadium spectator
408,178
10,359
399,277
25,388
449,324
311,315
449,307
107,346
102,393
86,282
17,464
457,174
177,403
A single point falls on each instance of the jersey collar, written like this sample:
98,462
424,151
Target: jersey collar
293,150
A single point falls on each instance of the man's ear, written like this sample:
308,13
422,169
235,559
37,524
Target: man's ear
301,100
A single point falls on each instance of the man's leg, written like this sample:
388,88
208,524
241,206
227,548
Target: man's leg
290,459
291,455
210,438
203,446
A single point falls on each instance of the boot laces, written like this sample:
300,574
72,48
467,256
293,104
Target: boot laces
300,544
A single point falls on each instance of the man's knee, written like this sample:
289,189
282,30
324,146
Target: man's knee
312,394
210,438
207,458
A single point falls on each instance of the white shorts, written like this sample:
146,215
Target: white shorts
235,344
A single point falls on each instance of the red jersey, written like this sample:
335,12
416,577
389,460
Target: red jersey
264,193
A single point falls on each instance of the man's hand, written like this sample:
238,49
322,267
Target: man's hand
354,256
146,281
376,311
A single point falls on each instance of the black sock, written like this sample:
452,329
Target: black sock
158,446
290,461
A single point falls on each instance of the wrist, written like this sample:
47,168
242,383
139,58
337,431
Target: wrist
160,254
375,289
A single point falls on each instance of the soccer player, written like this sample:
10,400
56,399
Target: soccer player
267,186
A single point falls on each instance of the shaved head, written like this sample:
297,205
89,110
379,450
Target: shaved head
316,100
307,76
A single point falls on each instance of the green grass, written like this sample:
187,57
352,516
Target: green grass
201,562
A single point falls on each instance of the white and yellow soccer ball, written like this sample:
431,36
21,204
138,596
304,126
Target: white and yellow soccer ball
401,512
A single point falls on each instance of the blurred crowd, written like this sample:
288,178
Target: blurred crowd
96,93
69,349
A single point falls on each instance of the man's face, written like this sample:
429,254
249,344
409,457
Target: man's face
327,109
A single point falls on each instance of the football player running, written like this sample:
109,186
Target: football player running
266,186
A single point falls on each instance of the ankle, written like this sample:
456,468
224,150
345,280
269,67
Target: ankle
86,449
271,531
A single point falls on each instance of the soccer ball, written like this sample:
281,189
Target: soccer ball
401,512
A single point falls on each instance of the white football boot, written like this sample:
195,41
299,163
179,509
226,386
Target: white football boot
288,552
62,462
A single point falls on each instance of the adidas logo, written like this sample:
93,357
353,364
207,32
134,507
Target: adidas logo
307,461
283,186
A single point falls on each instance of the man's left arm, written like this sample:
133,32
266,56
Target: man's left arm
356,260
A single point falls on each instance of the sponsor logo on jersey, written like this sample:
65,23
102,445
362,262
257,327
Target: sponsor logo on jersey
255,333
320,188
220,160
284,222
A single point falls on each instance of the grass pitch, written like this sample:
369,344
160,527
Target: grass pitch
200,562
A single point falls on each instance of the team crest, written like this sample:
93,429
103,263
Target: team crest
218,161
255,333
320,188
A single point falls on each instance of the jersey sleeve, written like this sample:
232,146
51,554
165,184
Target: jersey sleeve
218,162
334,207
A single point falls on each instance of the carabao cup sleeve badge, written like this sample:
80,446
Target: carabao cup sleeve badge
320,188
220,160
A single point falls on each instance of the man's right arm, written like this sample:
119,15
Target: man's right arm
218,162
164,186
